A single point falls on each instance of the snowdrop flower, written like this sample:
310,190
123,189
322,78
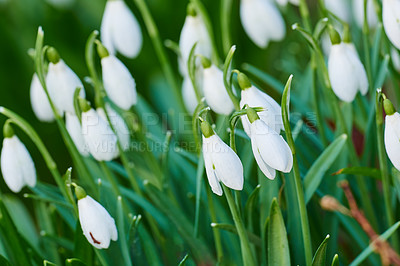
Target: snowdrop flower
121,129
392,133
285,2
99,137
346,72
340,8
391,20
97,224
253,97
62,82
75,131
358,10
120,31
17,165
194,31
118,81
39,101
269,148
214,89
262,21
221,162
189,95
395,56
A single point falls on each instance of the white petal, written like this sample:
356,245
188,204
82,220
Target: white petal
391,20
358,10
118,82
40,104
97,224
101,141
121,29
360,73
340,8
75,131
118,124
214,90
189,95
392,138
395,56
17,165
273,149
267,171
193,31
62,82
262,21
210,171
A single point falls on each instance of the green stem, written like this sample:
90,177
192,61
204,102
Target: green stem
305,14
296,173
216,233
365,32
227,80
244,241
384,167
225,15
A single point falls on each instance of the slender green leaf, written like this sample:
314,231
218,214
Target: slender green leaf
335,260
74,262
360,170
231,228
320,255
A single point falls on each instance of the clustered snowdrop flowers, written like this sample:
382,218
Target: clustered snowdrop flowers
346,72
118,81
214,89
61,83
221,162
391,20
40,103
97,224
392,133
262,21
17,165
120,31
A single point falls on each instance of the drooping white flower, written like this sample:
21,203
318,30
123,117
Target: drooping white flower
262,21
214,90
97,224
358,10
269,148
120,31
61,83
118,82
189,95
75,131
118,124
17,165
99,138
340,8
392,133
253,97
391,20
395,56
221,162
194,31
285,2
346,72
39,101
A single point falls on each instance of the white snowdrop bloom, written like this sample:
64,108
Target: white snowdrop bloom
285,2
61,83
346,72
340,8
392,134
221,162
39,101
269,148
17,165
194,31
120,31
118,124
74,129
97,224
118,82
99,138
262,21
214,89
358,10
189,95
395,56
391,20
253,97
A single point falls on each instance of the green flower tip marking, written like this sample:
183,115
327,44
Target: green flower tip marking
84,104
346,35
191,10
101,50
205,62
206,129
244,81
252,115
80,192
334,35
8,131
52,55
388,106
